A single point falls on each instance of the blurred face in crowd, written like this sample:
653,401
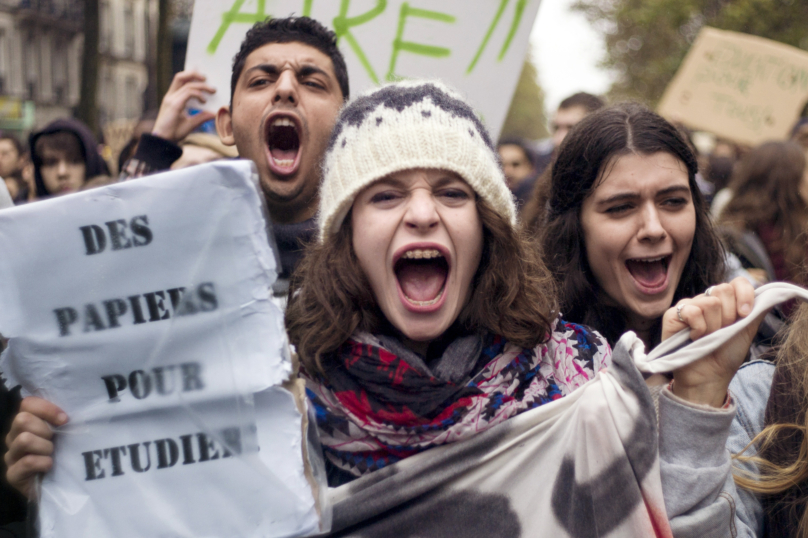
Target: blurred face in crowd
418,237
515,164
283,110
564,120
10,159
638,226
62,173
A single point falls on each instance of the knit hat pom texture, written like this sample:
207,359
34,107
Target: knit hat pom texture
403,126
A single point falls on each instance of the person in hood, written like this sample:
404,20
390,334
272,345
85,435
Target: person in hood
65,156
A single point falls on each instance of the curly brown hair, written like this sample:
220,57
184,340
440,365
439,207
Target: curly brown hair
766,191
330,298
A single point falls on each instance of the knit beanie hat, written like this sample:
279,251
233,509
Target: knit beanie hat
401,126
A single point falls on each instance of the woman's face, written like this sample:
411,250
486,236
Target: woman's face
638,227
418,238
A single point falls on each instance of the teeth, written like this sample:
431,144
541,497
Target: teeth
426,303
426,254
283,162
283,122
649,260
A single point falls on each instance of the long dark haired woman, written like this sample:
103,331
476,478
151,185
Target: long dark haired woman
628,232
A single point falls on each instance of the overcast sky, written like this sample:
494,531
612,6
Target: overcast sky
566,50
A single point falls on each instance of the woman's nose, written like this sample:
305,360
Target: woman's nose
421,212
651,227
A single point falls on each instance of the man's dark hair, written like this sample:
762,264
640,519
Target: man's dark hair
5,135
291,29
587,101
520,143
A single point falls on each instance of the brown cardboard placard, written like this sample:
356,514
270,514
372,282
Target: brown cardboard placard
741,87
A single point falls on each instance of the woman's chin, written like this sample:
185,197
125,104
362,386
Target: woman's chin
650,311
422,332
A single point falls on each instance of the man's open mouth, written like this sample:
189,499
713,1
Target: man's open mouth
283,144
421,275
650,273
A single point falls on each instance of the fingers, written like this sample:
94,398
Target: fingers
705,314
29,442
184,77
43,409
744,296
173,123
198,119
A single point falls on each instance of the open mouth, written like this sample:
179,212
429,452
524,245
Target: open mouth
283,144
421,275
650,273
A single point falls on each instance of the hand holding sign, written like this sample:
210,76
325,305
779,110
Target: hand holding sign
159,339
29,442
173,122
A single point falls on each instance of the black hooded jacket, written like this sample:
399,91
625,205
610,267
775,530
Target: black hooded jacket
95,165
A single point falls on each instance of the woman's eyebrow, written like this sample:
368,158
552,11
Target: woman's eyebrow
445,180
675,188
388,181
619,197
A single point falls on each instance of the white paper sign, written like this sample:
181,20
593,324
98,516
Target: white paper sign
476,46
144,310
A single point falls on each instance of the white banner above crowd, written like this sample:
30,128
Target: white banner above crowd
476,46
144,311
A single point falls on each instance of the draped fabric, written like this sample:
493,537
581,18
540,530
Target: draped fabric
378,408
585,465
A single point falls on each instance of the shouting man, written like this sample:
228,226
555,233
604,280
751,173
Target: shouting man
289,80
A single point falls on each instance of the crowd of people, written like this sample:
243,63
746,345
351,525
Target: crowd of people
494,278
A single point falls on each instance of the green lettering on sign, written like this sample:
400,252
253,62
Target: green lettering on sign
234,15
307,8
416,48
517,19
342,27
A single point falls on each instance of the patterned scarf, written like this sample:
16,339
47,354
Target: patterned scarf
376,408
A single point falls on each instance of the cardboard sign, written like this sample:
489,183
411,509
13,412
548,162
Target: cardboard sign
476,46
741,87
144,310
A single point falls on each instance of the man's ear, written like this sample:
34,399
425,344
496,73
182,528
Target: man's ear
224,126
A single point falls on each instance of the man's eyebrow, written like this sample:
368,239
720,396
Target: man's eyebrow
269,69
309,69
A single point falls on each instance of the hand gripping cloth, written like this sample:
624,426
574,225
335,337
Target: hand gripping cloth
586,465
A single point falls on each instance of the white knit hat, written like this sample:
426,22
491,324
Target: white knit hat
401,126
